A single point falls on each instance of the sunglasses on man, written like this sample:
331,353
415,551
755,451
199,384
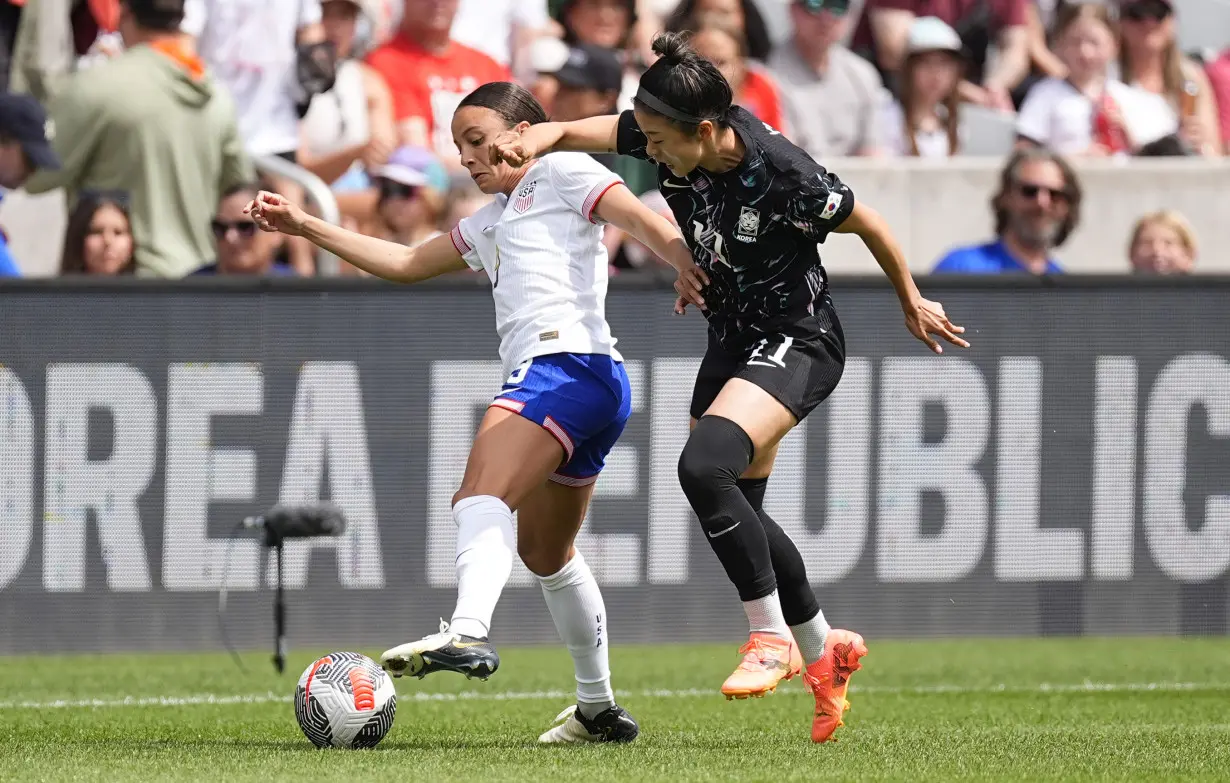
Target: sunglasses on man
245,229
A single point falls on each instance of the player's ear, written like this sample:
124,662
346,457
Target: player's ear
705,130
520,127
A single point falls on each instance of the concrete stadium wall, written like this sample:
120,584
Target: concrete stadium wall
932,205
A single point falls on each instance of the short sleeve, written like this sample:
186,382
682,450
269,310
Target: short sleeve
820,203
1033,121
309,12
463,236
581,182
628,138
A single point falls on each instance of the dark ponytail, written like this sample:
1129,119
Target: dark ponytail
682,86
512,102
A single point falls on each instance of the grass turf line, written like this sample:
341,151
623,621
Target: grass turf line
906,725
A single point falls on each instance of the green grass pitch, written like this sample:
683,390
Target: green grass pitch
1081,709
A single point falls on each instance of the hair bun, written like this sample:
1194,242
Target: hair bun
673,47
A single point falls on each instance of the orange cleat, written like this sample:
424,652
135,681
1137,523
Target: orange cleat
828,679
767,660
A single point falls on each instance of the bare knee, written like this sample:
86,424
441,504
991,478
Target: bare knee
543,558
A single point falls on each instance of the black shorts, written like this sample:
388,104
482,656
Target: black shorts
800,364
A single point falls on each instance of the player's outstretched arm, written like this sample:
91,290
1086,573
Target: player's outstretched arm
389,260
922,317
625,211
593,134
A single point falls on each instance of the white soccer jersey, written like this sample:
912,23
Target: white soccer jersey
542,249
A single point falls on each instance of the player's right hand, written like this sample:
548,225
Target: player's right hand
274,212
512,148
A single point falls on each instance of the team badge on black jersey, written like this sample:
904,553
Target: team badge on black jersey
749,225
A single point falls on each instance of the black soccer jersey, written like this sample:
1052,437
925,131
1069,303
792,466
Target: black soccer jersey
754,229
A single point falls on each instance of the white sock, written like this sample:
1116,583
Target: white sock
810,637
576,606
484,562
764,615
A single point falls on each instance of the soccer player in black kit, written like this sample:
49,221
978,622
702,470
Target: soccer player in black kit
753,208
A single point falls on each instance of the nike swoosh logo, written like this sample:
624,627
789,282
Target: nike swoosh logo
676,185
720,532
464,645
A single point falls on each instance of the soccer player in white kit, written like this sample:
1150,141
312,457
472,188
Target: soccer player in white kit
545,436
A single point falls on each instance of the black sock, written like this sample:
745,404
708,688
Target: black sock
716,454
798,600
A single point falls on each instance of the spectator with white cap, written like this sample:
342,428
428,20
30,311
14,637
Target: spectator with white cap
925,121
25,147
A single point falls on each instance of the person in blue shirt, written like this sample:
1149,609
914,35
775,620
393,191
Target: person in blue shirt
1036,210
25,147
241,249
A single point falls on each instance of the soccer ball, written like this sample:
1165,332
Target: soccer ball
345,700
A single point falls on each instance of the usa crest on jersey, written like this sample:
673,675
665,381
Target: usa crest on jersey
525,198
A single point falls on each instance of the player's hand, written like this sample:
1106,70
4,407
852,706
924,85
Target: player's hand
512,148
274,213
689,285
927,318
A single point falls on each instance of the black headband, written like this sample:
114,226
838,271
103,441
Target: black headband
645,97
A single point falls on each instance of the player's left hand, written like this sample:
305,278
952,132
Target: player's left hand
926,318
689,285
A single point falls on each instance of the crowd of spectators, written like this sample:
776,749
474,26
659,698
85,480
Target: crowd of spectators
155,110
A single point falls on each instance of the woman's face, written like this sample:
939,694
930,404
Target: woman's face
679,151
339,19
723,51
599,22
108,243
936,75
403,207
474,128
727,13
1087,48
1147,26
1160,250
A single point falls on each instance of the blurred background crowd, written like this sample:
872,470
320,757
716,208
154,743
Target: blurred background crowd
159,119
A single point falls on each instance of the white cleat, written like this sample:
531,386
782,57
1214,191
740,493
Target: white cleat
611,725
443,651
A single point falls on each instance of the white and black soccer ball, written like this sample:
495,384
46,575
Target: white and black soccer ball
345,700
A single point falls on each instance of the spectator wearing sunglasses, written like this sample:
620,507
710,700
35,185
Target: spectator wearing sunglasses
411,199
833,97
1036,209
1149,58
241,249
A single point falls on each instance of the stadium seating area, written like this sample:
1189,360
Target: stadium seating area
915,103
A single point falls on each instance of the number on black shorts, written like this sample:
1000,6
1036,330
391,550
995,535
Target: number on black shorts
775,359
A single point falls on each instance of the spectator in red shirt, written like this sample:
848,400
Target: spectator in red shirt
753,86
885,25
428,74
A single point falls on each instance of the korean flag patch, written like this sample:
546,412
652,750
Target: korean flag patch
831,206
